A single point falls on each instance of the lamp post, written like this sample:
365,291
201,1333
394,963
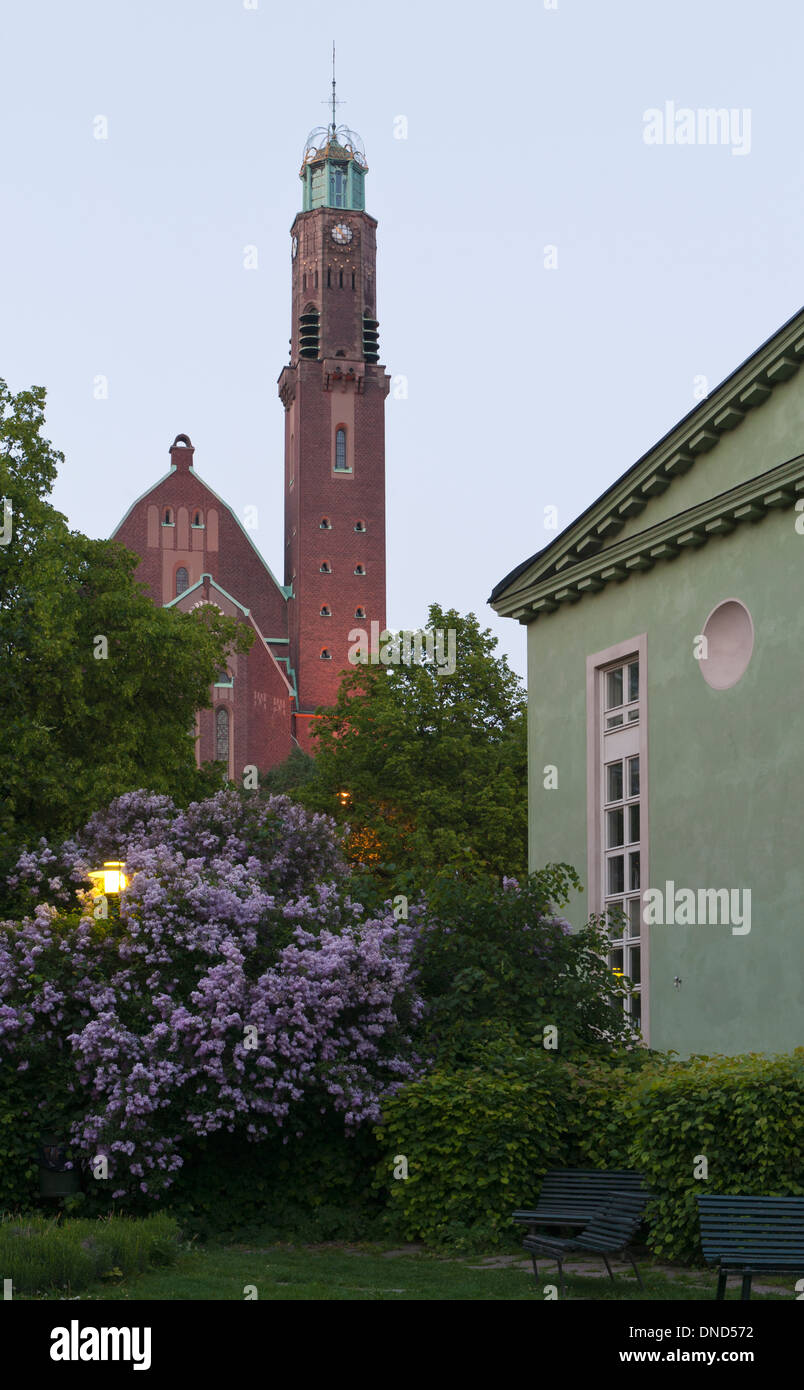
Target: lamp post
110,879
55,1178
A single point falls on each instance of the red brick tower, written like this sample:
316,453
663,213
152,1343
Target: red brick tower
334,394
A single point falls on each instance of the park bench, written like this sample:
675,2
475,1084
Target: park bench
751,1235
608,1232
571,1196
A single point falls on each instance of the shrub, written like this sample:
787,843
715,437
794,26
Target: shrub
238,987
745,1114
477,1141
39,1255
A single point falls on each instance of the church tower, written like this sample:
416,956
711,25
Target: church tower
334,392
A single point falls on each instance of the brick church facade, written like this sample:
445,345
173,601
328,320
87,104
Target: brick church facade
194,550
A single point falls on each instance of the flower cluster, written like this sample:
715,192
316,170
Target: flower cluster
237,986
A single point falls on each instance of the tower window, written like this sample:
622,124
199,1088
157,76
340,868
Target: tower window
315,284
182,580
326,612
340,279
198,520
329,277
337,188
359,569
326,524
222,735
341,466
168,519
360,526
326,654
325,569
304,282
360,612
224,678
353,279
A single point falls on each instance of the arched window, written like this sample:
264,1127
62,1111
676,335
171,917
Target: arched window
341,466
326,612
222,735
359,569
360,526
182,580
198,519
326,655
326,524
360,612
292,459
168,521
325,569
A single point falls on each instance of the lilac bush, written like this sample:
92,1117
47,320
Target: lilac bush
237,986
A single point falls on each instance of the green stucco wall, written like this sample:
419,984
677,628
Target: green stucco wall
725,772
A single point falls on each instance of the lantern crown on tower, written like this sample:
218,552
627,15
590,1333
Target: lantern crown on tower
333,164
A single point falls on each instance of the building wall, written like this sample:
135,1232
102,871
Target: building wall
725,769
221,548
258,701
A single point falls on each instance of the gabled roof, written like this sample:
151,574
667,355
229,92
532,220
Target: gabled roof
206,580
586,555
213,584
284,589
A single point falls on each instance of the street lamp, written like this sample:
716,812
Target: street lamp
109,879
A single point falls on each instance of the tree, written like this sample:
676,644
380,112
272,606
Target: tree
98,686
429,769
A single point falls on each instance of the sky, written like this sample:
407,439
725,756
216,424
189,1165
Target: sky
558,282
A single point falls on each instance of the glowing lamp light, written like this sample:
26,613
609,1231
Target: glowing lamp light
344,798
109,879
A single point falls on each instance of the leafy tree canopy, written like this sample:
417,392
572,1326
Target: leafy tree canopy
428,767
85,719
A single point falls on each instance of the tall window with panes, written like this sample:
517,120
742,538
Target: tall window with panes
620,811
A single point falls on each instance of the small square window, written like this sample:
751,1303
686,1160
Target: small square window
614,782
614,688
616,872
633,776
614,828
635,917
633,681
633,871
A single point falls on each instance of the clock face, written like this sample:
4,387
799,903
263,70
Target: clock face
341,234
294,246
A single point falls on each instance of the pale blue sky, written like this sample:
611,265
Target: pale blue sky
527,387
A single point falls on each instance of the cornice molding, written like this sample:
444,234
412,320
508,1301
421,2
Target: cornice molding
748,503
749,387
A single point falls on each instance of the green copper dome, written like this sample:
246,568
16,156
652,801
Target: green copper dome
333,169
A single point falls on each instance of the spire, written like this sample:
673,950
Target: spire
335,102
334,162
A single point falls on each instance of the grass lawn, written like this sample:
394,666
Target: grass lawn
359,1273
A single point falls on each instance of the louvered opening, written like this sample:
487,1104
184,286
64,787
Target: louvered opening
309,333
371,339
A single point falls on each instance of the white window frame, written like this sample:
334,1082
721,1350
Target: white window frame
597,667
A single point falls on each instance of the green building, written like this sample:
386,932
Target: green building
666,713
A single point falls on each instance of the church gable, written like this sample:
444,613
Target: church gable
248,722
735,457
180,528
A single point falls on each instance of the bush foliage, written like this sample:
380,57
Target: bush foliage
744,1115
